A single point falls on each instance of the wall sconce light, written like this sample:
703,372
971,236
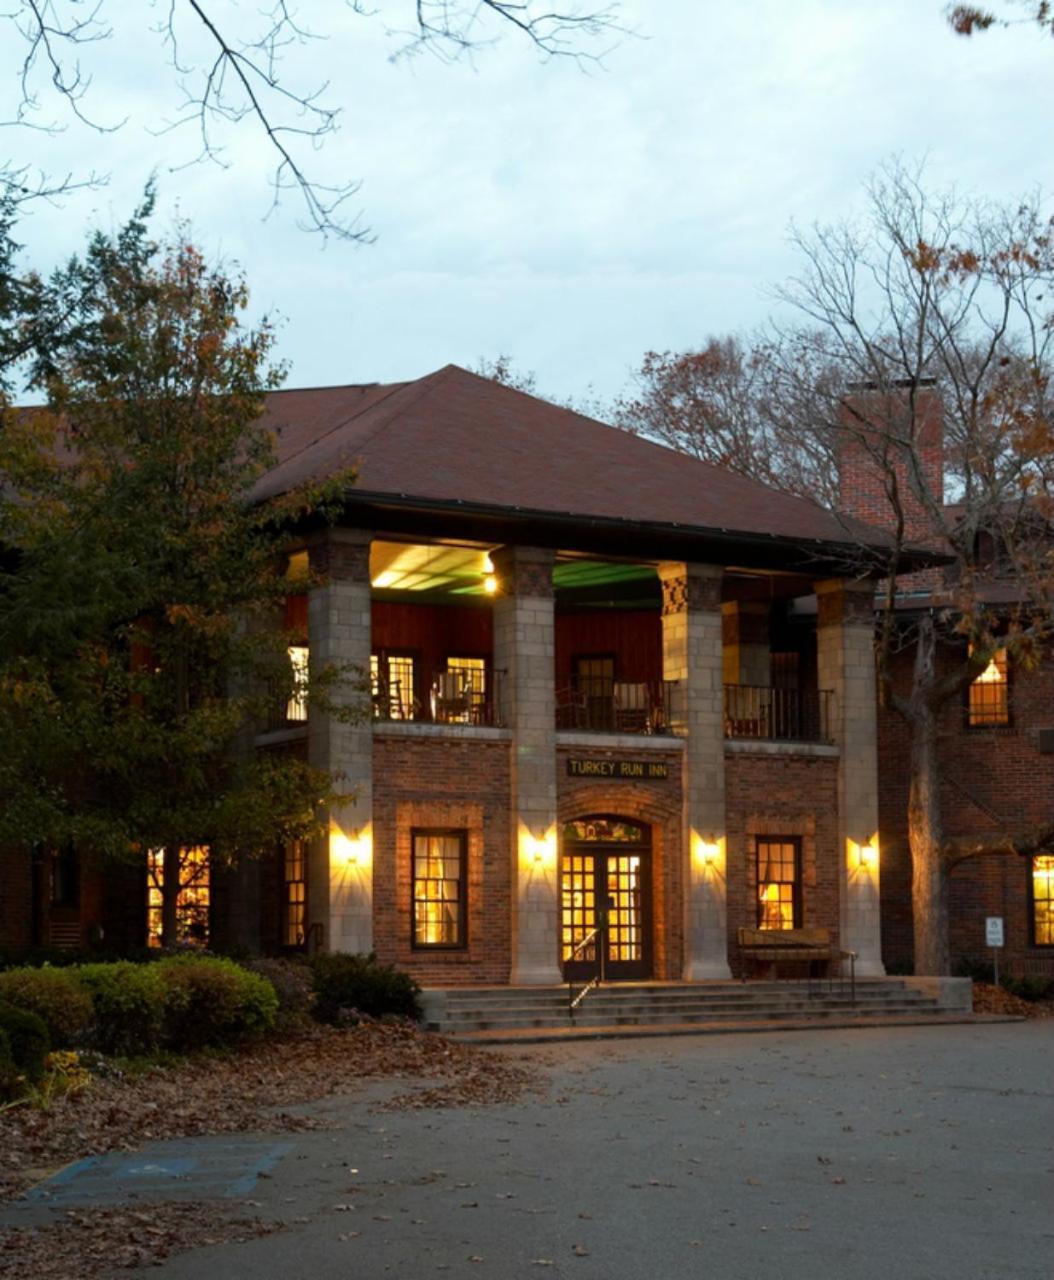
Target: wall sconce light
490,584
867,855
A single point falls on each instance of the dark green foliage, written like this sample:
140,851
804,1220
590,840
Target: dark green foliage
1030,987
291,979
128,1001
976,970
214,1002
27,1039
57,996
346,985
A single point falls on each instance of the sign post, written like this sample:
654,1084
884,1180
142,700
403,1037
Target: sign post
993,936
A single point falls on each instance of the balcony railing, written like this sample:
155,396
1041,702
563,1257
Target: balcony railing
615,706
405,693
777,715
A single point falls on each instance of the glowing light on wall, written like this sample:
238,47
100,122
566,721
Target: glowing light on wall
864,856
708,851
354,851
537,852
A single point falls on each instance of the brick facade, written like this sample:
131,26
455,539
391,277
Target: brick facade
785,795
993,779
443,782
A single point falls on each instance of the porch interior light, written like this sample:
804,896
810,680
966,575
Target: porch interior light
490,584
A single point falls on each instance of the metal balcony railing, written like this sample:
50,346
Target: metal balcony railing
615,706
777,715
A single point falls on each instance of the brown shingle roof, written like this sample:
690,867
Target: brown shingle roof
453,436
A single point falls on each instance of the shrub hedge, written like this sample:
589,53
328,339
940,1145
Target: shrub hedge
209,1001
349,985
26,1039
57,996
128,1003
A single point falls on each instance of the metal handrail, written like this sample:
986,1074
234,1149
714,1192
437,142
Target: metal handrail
573,1001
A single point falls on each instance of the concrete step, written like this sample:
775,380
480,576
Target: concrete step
500,995
604,1017
557,1035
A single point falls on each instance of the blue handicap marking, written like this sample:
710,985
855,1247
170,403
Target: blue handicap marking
223,1166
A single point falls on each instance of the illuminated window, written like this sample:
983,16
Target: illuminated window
294,883
296,707
392,686
1043,900
459,694
439,888
192,901
989,703
779,882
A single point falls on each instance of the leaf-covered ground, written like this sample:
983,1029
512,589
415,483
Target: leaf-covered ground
249,1091
988,998
86,1244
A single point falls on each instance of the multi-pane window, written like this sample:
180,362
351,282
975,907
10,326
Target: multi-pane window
296,707
192,897
779,882
988,695
460,691
294,893
392,686
1043,900
439,887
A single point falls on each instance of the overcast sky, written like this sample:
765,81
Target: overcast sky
571,220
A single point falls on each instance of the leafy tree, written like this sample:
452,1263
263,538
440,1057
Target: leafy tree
142,582
965,19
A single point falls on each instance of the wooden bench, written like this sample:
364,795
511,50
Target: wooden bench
772,947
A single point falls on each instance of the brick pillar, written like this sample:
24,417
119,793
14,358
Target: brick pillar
340,864
524,648
846,662
745,636
691,654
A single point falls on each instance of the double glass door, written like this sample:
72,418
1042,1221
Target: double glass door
604,882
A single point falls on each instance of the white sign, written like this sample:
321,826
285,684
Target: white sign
993,931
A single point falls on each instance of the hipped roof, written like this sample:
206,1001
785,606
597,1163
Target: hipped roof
463,443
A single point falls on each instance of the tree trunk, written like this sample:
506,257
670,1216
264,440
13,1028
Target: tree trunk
169,895
929,882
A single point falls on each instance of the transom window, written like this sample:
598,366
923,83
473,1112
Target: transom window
989,702
294,882
192,901
439,888
606,829
1043,900
779,882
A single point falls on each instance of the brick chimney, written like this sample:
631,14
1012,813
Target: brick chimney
861,484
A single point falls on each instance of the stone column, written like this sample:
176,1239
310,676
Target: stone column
691,654
846,662
524,648
745,636
340,864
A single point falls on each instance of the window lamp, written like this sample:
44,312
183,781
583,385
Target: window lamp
779,882
439,889
989,702
1043,900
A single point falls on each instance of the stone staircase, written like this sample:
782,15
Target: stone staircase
524,1014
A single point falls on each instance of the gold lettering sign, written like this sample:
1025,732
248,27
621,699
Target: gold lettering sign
635,770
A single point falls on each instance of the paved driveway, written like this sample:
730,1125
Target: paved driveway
843,1154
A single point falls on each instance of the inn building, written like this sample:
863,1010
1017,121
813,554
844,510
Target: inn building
603,678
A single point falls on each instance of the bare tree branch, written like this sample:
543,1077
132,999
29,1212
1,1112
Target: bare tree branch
244,76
